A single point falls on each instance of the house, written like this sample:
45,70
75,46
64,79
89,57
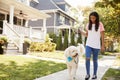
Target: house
14,18
59,12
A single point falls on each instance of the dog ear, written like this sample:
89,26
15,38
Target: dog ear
66,52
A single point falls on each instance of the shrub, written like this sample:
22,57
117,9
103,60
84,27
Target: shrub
59,42
53,37
47,46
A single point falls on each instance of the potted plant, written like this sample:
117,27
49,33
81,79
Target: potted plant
1,46
4,38
26,45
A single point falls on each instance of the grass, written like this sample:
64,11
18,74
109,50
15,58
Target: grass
99,56
21,68
117,61
55,55
108,53
113,74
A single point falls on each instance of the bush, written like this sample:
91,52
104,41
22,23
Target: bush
66,40
59,42
118,48
38,46
47,46
53,37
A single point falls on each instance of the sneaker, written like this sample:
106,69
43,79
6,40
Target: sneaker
94,77
74,78
87,77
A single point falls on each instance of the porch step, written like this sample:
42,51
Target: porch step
11,49
11,46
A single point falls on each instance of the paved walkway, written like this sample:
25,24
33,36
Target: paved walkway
104,64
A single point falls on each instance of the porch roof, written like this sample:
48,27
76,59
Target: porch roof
27,11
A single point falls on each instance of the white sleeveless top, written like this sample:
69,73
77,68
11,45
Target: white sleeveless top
93,38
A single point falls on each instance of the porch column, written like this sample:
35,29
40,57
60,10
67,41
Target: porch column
21,43
30,33
54,22
22,22
5,16
44,28
28,2
11,15
69,35
4,27
26,23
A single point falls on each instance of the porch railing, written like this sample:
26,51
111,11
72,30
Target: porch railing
37,34
13,36
34,33
22,30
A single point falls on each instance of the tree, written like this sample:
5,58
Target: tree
73,38
109,11
79,40
66,40
59,42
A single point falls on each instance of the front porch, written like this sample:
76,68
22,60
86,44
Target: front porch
14,18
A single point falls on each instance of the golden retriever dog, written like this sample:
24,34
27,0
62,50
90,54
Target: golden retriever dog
72,54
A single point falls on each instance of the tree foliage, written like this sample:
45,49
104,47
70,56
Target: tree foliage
59,42
66,40
73,38
109,11
79,40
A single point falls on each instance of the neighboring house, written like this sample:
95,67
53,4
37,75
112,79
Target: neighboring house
59,12
14,17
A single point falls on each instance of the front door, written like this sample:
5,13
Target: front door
2,17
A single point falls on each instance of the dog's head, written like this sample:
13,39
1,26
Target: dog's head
71,51
81,48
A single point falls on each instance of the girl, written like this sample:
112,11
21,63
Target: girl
94,31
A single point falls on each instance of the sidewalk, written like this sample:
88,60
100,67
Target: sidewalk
104,64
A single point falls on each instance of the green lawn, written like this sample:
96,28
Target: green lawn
113,74
21,68
55,55
117,61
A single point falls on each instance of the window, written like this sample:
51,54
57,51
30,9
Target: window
24,1
71,23
18,21
2,16
66,8
62,19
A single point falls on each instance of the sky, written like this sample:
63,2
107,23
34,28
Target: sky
84,3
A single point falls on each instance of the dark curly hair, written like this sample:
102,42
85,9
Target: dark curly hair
96,22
